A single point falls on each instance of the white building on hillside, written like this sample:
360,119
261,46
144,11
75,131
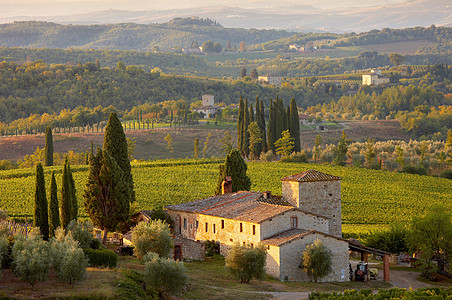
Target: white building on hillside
374,77
208,107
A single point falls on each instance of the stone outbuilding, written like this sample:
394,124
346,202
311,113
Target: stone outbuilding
309,209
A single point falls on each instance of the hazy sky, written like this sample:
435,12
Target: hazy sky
12,8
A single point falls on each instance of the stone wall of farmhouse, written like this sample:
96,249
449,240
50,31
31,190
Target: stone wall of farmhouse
292,252
282,222
225,231
193,250
273,262
320,197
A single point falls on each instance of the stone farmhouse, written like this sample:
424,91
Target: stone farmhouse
208,107
375,78
309,209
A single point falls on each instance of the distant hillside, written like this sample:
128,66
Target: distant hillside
348,16
177,33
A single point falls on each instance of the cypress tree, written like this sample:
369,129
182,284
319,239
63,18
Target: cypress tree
41,215
115,144
54,214
271,130
259,124
107,198
240,125
287,119
74,203
66,198
48,150
279,113
262,126
245,133
251,114
294,125
235,167
196,148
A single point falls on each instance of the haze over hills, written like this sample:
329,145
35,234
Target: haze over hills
286,15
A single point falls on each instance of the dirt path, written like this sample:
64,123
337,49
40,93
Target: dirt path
407,279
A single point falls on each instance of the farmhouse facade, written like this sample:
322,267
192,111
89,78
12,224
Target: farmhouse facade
309,209
375,78
208,107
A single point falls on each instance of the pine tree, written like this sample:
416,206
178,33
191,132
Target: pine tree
294,125
262,126
54,214
107,193
245,133
49,147
235,167
284,145
240,125
115,144
41,216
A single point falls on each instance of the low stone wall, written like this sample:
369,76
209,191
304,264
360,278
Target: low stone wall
191,249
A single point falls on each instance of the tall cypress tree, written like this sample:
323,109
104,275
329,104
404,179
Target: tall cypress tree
115,144
66,198
48,150
74,203
252,119
41,215
259,124
294,125
262,126
54,214
280,113
245,133
271,130
240,137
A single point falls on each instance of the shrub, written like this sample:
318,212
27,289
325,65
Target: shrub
212,248
446,174
295,157
414,170
31,259
266,156
317,260
101,258
3,252
246,263
164,275
81,232
392,240
153,236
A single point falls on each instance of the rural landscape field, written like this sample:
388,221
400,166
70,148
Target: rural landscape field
239,150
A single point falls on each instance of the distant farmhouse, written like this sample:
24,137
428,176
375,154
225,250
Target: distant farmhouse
306,120
374,77
208,107
270,79
309,209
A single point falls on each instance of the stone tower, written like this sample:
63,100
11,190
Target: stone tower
208,100
316,192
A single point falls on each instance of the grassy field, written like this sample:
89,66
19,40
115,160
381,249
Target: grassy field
209,279
371,199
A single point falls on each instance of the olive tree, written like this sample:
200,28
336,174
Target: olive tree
317,260
32,259
152,236
165,275
246,263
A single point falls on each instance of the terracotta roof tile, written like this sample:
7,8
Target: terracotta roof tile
286,236
309,176
242,206
294,233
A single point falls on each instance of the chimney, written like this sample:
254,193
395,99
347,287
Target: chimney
267,195
226,186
